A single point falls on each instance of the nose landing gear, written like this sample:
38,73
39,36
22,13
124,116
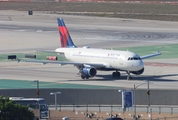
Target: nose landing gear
117,75
129,77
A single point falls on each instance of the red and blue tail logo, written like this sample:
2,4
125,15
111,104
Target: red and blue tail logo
65,38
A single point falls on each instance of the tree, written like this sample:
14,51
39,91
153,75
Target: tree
9,110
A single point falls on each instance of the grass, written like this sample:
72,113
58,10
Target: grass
168,12
168,50
24,84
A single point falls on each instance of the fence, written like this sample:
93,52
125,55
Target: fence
101,112
117,108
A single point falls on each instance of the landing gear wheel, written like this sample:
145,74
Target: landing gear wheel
129,78
114,75
118,74
83,76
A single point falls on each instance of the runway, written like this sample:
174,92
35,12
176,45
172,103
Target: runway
21,33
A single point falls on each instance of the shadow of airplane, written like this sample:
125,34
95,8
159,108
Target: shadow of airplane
158,78
108,77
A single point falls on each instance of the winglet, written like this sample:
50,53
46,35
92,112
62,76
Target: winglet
150,55
65,39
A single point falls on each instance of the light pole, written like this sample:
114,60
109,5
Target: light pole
37,84
148,93
55,95
135,87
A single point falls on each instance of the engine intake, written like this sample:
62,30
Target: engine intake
89,71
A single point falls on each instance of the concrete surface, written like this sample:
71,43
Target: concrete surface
21,33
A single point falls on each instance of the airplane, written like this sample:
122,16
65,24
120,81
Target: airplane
90,60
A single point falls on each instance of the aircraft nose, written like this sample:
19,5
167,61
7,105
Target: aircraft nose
138,65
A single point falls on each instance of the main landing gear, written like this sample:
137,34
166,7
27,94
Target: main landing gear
116,74
83,76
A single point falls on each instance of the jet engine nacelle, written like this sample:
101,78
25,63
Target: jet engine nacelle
138,72
89,71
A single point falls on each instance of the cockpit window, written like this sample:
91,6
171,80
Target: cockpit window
134,58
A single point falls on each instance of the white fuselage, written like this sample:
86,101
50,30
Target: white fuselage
111,59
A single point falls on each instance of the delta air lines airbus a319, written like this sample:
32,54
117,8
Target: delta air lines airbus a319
89,60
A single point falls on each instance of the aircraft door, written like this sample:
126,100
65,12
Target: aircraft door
121,60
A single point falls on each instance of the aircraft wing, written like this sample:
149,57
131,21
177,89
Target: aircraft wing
150,55
63,62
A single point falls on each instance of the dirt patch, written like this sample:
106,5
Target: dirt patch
80,115
161,64
152,11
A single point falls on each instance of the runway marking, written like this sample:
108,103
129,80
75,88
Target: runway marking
39,31
21,65
161,64
20,30
2,26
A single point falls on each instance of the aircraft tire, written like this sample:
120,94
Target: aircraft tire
83,76
129,78
114,74
118,74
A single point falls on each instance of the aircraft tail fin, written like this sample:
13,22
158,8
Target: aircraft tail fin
65,39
